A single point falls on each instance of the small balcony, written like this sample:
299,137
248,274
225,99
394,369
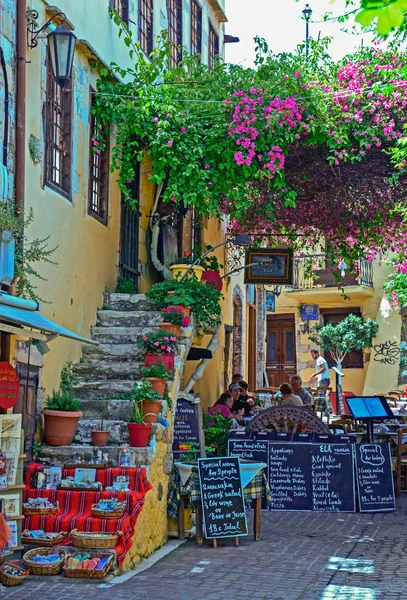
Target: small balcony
325,279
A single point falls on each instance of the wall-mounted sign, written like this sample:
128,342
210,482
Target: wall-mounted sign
268,266
309,312
9,386
270,302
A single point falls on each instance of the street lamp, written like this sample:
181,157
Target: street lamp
240,239
61,44
307,12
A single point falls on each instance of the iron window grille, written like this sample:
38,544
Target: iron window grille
213,46
146,25
98,171
196,28
175,30
122,8
58,135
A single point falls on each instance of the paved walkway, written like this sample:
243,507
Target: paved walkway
307,556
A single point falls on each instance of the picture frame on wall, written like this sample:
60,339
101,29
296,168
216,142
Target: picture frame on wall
12,505
269,266
12,468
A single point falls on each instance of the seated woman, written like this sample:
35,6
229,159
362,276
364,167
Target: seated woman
223,405
289,398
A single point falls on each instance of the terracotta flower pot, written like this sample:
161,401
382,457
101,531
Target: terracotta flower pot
155,359
185,309
178,271
170,328
213,278
157,384
60,426
99,438
151,410
139,433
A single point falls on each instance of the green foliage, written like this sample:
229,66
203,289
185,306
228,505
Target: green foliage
210,263
136,413
216,428
125,285
63,399
158,370
353,333
143,390
396,288
36,447
104,414
68,378
203,299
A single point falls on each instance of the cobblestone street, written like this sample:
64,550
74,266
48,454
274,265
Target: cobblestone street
303,556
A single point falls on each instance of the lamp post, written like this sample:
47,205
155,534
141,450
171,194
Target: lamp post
307,12
240,239
61,44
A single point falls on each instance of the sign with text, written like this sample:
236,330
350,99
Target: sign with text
186,434
309,312
332,480
374,477
289,476
223,506
269,265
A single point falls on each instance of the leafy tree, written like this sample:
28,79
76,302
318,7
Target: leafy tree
353,333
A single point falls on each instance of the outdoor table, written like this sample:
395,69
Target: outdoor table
185,482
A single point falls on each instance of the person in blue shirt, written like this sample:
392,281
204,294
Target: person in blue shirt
322,372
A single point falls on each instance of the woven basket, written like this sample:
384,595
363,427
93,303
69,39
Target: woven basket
10,580
41,569
107,514
97,540
90,573
44,543
27,512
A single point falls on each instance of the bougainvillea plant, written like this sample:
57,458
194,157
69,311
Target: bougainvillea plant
294,147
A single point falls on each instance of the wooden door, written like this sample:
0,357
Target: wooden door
129,234
27,403
251,372
281,359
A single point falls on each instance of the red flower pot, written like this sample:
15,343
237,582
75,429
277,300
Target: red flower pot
170,328
214,279
154,359
139,433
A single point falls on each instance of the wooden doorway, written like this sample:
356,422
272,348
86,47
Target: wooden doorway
26,406
281,361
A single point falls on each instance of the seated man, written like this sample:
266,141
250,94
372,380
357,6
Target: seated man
296,384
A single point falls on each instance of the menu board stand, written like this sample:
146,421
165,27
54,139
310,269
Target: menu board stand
374,478
188,427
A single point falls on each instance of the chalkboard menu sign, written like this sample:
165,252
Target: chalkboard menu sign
289,476
186,430
374,477
249,449
332,480
222,497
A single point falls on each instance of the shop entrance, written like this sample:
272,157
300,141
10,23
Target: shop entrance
281,359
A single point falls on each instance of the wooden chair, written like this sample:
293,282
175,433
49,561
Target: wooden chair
341,424
327,391
310,407
397,393
401,460
391,400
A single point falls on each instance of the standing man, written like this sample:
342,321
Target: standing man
322,372
236,378
296,384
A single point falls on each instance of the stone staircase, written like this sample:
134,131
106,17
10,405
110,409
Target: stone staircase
106,375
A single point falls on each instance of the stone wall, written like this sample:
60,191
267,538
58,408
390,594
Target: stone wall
8,10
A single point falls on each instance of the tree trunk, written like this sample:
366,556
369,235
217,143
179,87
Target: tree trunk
339,390
402,379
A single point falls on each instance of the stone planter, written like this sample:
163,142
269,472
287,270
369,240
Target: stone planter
178,271
60,426
170,328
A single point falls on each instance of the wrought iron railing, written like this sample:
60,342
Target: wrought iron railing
313,272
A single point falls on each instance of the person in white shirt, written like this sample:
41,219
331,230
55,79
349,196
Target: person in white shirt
322,372
289,398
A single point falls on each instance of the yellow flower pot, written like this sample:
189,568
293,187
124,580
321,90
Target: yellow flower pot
178,271
198,339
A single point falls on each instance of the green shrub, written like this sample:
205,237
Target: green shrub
125,286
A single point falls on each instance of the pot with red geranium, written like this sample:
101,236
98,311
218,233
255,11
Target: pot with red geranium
174,320
212,268
180,300
158,348
157,375
183,264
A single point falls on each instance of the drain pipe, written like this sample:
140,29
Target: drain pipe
21,104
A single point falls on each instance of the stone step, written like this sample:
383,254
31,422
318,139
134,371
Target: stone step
108,351
92,370
117,335
117,408
118,431
103,389
137,318
127,302
65,454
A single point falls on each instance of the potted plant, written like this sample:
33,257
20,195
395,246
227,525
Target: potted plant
174,320
158,348
212,268
157,375
62,411
180,300
149,399
100,436
139,430
184,263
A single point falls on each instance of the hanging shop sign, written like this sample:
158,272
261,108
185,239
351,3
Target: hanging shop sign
268,266
9,385
309,312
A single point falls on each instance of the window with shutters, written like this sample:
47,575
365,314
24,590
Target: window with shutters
98,170
196,28
146,34
175,31
58,132
122,8
354,359
213,46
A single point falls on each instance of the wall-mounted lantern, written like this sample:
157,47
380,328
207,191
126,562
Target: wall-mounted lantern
61,44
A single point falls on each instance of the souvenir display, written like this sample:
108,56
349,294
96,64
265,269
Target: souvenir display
85,476
109,508
127,457
94,539
39,537
55,476
12,505
44,561
88,566
121,483
11,574
39,506
70,484
3,472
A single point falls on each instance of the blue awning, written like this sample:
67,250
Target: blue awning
20,318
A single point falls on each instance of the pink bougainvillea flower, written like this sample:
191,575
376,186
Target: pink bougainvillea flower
207,167
156,344
170,142
95,142
168,115
183,129
156,119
